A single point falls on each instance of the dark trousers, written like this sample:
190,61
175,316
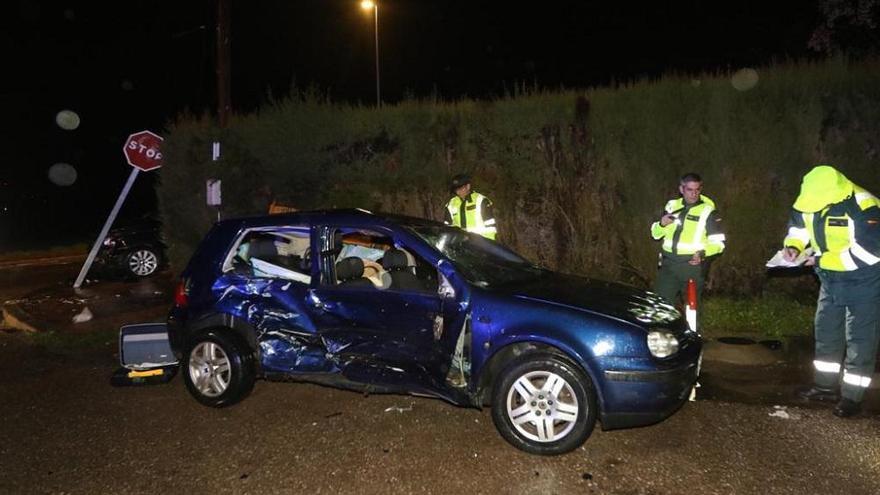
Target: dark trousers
672,279
847,331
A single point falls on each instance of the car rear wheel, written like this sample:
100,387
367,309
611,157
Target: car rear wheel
142,262
218,370
542,404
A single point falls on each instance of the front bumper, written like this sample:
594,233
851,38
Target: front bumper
642,397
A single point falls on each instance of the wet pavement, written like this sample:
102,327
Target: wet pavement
66,430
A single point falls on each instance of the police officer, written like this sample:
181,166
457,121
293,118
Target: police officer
841,221
690,229
469,209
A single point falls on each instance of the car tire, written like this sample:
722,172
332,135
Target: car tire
543,404
142,261
218,369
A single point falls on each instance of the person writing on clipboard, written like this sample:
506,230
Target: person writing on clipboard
841,222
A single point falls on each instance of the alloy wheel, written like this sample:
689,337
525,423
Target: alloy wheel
542,406
143,262
209,369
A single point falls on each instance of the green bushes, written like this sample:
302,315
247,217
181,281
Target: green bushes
577,176
771,316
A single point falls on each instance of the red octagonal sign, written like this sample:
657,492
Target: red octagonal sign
143,151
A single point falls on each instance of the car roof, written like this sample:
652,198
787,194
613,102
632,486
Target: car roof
353,216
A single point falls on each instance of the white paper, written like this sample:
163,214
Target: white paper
778,260
266,269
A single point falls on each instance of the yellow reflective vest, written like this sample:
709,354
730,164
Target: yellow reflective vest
473,213
696,227
845,236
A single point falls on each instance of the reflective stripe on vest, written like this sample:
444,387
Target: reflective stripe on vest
842,251
693,235
473,215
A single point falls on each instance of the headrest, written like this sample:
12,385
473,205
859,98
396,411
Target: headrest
394,259
262,248
349,268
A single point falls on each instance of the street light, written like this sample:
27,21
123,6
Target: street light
374,6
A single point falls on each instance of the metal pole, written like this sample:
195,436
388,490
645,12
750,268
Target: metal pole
376,30
91,258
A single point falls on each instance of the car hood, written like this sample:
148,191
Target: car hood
612,299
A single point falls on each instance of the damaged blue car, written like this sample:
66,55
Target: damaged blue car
392,304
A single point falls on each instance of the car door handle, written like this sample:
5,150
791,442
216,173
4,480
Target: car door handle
324,306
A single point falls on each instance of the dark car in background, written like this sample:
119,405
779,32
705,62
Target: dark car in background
134,250
386,303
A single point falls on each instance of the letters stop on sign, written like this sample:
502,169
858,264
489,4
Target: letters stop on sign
143,150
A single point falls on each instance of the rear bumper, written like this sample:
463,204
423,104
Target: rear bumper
638,398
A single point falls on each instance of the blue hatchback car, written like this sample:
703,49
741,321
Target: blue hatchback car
386,303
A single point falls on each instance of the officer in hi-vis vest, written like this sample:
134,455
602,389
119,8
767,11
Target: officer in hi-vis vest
470,210
841,221
690,229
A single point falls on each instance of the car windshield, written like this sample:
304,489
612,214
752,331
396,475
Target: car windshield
482,262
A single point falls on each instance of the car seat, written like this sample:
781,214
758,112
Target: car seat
350,272
264,248
395,263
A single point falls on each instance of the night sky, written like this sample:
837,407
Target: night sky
132,65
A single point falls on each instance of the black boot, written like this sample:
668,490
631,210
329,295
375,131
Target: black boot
819,394
847,408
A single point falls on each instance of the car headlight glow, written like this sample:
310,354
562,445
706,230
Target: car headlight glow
662,344
109,242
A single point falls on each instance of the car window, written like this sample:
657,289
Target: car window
277,252
363,258
481,261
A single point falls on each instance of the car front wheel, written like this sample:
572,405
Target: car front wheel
218,370
142,262
542,404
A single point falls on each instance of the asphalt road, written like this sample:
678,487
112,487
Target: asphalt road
64,429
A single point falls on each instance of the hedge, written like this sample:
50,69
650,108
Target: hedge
577,176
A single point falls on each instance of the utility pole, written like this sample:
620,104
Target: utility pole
224,98
376,32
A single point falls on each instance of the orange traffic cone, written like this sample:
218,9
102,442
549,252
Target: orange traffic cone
690,311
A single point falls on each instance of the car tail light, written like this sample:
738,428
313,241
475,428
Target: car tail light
181,294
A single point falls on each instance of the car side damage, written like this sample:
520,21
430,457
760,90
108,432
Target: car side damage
311,334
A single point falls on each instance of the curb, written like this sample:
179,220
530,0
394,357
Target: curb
56,260
753,354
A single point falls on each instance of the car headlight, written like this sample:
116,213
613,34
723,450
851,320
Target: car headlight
109,242
662,344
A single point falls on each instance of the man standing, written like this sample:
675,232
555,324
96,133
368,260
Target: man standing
690,228
469,209
842,223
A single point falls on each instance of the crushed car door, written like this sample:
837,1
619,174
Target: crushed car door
388,338
395,339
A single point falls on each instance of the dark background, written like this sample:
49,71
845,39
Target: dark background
127,66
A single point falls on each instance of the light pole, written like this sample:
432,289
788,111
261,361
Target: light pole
374,6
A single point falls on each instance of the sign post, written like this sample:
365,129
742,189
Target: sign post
143,152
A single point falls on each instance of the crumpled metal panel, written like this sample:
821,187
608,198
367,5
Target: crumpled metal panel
276,310
289,353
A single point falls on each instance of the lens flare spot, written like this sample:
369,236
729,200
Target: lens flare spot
62,174
744,79
67,120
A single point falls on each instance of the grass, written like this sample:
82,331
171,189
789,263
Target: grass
771,316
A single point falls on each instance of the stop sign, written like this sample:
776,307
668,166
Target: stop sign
143,151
